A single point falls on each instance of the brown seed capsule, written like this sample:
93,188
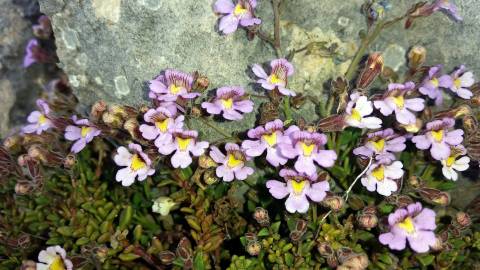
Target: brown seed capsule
98,108
325,249
38,153
196,112
166,257
24,187
12,143
28,265
201,82
69,161
298,101
132,126
118,110
367,220
470,124
417,56
254,248
332,123
373,68
435,196
357,261
335,203
261,216
112,120
463,219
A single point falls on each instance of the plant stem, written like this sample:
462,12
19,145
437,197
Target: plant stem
287,110
276,21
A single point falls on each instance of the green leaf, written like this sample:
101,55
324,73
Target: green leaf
386,258
289,259
275,226
364,235
263,232
444,186
385,208
198,263
126,257
426,260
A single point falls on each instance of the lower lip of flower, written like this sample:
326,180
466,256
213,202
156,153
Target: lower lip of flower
271,138
399,101
227,103
183,143
162,125
307,149
379,173
355,115
298,186
137,163
85,131
378,145
407,225
437,135
57,264
233,162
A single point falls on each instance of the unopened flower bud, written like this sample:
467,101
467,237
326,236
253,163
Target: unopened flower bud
356,202
206,162
166,257
332,123
196,112
210,177
463,219
325,249
373,68
69,161
434,196
417,56
357,261
118,110
28,265
101,253
12,143
201,82
98,108
335,203
132,126
112,120
367,220
470,124
254,248
261,216
23,187
37,153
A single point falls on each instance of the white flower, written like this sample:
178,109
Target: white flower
163,205
54,258
136,164
357,109
452,164
380,177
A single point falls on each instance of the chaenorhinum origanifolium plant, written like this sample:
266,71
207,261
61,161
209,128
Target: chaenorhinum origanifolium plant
137,188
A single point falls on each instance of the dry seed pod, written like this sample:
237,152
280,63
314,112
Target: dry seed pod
166,257
417,56
373,68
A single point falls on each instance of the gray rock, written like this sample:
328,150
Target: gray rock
110,48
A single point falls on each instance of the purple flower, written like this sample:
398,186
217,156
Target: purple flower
357,109
381,144
172,85
39,121
394,101
137,164
83,132
453,163
183,143
233,163
447,7
298,186
269,138
43,29
381,177
432,83
34,53
281,69
308,147
461,81
412,223
439,138
164,123
241,13
230,101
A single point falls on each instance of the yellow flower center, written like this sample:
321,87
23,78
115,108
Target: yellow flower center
450,161
174,89
457,83
57,264
271,139
183,143
42,119
275,79
399,101
85,131
378,145
137,163
437,135
407,225
298,186
233,161
227,103
239,10
435,82
162,124
379,173
356,115
307,149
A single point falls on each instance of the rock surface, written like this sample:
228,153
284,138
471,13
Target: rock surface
110,48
